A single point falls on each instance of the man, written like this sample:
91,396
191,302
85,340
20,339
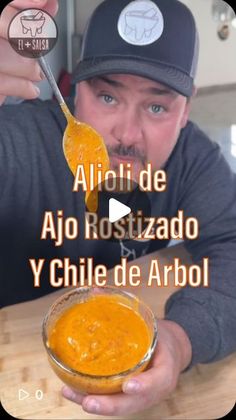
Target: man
134,82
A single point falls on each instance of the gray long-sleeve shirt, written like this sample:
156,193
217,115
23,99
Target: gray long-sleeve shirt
34,178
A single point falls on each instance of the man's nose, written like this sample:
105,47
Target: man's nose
128,129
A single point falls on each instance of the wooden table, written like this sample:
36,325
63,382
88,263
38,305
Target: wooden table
204,392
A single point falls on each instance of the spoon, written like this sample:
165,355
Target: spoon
82,145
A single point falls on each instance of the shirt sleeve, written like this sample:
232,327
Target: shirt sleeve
208,315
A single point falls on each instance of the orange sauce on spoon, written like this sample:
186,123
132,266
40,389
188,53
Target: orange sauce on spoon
83,145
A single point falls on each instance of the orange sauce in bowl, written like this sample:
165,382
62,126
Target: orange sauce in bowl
101,336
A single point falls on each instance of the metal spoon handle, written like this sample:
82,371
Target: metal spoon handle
48,73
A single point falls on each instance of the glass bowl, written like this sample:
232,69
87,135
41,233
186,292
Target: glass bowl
88,383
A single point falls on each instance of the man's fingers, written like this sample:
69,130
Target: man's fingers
115,404
6,16
16,86
153,384
149,388
141,392
24,4
50,6
16,65
72,396
2,99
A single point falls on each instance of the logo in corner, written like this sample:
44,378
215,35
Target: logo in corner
32,33
141,22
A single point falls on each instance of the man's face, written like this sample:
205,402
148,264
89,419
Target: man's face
139,120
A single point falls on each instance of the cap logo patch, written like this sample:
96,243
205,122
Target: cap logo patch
141,22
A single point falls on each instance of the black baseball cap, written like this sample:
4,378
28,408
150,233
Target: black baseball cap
156,39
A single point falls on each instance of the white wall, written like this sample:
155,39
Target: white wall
217,60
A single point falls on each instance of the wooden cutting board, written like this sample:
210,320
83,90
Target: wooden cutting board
204,392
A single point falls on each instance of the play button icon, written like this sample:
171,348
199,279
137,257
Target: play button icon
117,210
120,216
22,394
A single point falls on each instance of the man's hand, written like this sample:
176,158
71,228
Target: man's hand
172,355
17,73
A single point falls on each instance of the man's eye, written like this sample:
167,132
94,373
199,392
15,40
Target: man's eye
156,109
108,99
